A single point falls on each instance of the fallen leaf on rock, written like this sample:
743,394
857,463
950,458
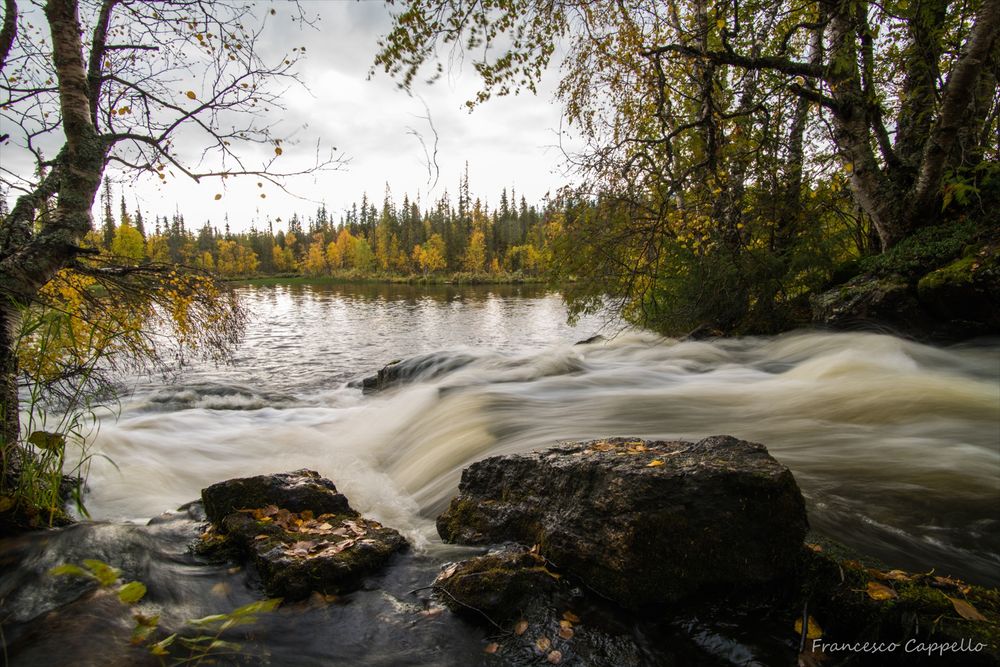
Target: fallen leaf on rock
602,446
813,631
895,575
261,537
431,612
571,617
520,627
948,582
543,643
448,571
815,548
324,526
565,624
654,463
877,591
554,657
491,648
966,610
566,633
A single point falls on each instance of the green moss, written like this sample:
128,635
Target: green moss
926,249
959,272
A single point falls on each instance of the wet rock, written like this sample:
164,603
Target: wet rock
925,617
592,340
298,531
499,584
640,522
966,292
869,300
293,491
423,367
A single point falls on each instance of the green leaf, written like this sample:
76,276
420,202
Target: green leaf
53,442
160,647
70,570
132,592
104,573
208,620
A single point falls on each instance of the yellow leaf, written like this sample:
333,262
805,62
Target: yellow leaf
191,96
218,197
877,591
571,617
654,463
520,627
721,24
849,167
813,631
277,150
566,633
966,610
543,643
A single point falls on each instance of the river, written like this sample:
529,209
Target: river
895,444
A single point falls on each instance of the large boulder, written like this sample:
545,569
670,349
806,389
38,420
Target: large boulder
298,531
640,522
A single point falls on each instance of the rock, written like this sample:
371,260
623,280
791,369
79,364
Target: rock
423,367
514,590
855,601
298,531
966,292
869,300
598,338
640,522
500,584
293,491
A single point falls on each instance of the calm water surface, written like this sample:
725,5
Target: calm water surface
895,444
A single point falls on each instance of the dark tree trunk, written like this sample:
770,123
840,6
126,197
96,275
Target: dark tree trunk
8,385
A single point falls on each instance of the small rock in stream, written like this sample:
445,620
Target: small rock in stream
299,532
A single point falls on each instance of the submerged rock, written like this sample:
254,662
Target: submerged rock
640,522
499,585
423,367
298,531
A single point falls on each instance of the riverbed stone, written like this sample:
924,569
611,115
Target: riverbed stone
294,491
640,522
298,531
421,367
499,584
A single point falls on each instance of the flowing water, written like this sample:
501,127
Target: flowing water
896,445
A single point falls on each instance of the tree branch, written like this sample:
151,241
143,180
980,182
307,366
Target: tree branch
97,50
784,65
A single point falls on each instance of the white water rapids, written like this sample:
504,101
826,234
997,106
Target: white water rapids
896,445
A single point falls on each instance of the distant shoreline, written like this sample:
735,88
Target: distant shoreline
442,279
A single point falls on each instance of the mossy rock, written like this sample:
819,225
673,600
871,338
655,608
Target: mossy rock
296,551
499,585
853,602
966,290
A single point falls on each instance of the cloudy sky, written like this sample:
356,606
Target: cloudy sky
508,142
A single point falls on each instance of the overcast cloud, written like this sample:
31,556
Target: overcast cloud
508,142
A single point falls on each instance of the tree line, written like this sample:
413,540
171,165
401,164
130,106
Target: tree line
406,238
